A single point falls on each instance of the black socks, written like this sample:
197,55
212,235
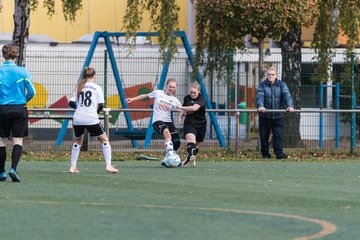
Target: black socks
15,156
2,159
191,149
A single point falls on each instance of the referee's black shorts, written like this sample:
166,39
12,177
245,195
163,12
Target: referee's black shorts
13,121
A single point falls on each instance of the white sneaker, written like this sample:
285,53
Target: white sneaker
189,161
73,170
192,161
111,169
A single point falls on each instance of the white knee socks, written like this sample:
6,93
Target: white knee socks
169,147
107,153
75,151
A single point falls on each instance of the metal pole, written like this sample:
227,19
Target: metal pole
353,119
321,116
237,134
106,112
105,76
229,79
106,120
337,119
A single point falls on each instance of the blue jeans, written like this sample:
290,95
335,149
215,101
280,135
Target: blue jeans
267,125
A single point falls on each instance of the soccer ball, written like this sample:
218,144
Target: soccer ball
172,160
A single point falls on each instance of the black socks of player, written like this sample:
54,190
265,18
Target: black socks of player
2,159
15,156
191,149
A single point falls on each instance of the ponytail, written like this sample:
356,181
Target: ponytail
86,74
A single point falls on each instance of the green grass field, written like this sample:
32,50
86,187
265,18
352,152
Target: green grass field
215,200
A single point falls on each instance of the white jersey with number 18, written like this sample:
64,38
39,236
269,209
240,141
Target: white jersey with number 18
87,104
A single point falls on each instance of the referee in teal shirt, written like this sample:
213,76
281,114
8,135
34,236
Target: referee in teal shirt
16,89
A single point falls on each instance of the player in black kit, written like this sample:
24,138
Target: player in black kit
193,109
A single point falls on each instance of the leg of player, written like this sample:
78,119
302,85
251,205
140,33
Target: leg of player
75,151
191,149
169,147
168,143
3,175
106,147
15,158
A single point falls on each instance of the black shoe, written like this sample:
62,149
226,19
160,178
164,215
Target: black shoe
267,155
282,156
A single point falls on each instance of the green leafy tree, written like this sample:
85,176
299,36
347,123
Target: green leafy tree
218,33
163,16
346,22
221,26
22,19
349,22
324,40
290,43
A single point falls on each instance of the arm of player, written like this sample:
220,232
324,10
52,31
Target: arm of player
137,98
192,108
180,117
100,107
72,104
30,89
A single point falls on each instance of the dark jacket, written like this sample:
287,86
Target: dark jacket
273,97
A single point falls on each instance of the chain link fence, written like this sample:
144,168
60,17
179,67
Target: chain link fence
326,108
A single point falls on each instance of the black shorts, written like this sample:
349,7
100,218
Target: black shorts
94,130
13,121
198,131
159,126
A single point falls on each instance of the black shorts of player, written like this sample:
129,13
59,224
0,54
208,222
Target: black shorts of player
160,126
199,130
13,121
94,130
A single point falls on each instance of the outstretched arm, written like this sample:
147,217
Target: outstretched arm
140,97
192,108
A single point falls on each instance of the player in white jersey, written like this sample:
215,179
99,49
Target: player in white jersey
88,100
164,103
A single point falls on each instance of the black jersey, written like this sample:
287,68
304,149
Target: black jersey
198,117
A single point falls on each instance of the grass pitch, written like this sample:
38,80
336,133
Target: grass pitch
215,200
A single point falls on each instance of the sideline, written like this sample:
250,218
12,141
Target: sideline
327,227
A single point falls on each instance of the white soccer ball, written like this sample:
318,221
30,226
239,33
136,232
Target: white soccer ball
173,160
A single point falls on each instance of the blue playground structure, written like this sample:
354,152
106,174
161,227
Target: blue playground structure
119,85
337,118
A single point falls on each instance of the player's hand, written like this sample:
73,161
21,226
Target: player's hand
180,122
129,100
261,109
290,109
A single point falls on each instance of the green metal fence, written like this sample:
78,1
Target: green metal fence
56,70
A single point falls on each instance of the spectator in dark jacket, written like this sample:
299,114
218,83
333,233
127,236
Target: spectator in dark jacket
272,93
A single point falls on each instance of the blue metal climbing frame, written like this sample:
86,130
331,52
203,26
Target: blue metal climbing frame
150,130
